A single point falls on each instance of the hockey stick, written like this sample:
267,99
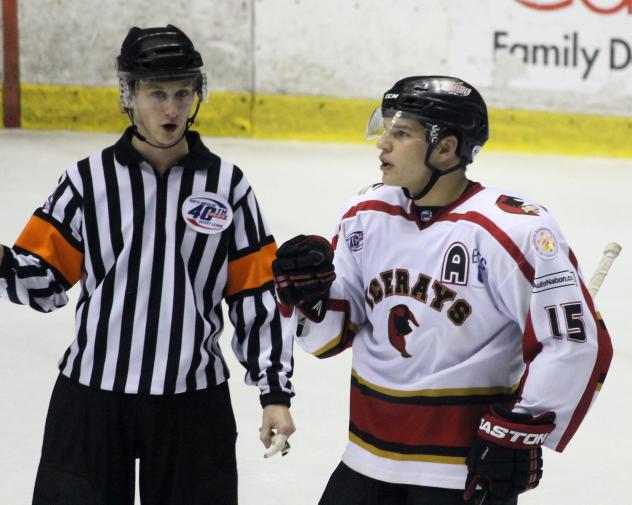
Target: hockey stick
611,251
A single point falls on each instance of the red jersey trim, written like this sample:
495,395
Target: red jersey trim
416,425
347,333
469,193
602,363
413,422
375,206
501,237
399,211
531,347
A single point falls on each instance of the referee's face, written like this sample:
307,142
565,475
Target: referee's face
161,109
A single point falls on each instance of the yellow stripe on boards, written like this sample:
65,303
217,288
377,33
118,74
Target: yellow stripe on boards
560,133
323,119
311,118
97,109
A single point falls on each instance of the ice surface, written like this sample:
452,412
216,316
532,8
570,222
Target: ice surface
301,188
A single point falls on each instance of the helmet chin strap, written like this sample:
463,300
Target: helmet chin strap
142,138
435,173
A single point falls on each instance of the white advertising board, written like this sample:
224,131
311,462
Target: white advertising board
533,53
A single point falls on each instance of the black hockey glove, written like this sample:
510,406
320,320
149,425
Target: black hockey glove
303,273
506,458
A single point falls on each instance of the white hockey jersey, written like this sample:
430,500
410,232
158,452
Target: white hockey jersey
483,303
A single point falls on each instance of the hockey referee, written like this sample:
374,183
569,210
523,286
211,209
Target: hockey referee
158,230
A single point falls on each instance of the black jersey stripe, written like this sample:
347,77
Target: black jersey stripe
193,266
235,179
129,303
107,294
81,340
177,314
90,217
62,188
155,288
254,340
276,342
250,224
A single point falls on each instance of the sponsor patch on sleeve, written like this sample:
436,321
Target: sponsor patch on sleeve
560,279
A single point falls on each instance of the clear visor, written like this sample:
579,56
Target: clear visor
177,90
394,123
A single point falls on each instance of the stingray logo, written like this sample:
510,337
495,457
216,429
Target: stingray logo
515,205
207,213
399,319
596,6
355,241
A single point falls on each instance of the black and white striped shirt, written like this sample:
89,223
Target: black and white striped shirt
155,254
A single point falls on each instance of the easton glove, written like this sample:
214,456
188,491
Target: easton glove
506,458
303,273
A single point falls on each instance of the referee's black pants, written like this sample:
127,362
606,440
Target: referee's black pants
185,444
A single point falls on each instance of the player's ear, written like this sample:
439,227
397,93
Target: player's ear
448,145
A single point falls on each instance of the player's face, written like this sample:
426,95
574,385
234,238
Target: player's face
403,149
161,109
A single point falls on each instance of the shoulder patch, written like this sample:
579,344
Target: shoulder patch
544,242
370,188
514,205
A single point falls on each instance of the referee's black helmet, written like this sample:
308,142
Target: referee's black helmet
158,53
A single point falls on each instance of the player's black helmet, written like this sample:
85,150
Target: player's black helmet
161,53
445,105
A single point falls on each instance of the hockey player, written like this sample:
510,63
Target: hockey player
159,230
475,341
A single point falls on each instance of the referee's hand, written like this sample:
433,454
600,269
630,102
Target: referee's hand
276,419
